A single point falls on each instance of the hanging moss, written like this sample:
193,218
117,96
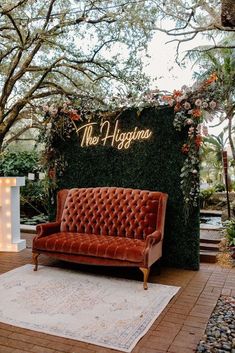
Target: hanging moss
153,164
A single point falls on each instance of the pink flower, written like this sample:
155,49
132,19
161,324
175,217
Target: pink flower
204,105
212,104
179,99
198,102
188,122
191,131
187,105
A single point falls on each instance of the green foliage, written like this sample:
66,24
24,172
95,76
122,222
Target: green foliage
154,164
219,187
34,197
233,185
230,231
18,163
207,193
34,220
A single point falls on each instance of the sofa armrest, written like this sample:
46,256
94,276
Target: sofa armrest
153,238
45,229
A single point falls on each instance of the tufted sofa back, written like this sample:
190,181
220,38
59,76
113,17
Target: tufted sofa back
113,211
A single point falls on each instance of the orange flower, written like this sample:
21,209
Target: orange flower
198,141
196,113
177,93
177,107
212,78
185,148
166,98
74,115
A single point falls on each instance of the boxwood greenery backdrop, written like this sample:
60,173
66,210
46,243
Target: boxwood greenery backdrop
152,164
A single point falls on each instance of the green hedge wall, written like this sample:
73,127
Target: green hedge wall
152,164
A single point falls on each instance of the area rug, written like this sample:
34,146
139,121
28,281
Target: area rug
105,311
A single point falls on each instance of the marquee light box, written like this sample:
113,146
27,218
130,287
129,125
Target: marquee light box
10,214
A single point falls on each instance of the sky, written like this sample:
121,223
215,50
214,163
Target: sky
162,62
170,75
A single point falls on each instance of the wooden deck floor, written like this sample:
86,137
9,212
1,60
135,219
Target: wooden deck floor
177,330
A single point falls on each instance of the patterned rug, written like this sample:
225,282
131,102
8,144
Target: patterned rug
105,311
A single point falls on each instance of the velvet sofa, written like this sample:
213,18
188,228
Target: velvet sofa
105,226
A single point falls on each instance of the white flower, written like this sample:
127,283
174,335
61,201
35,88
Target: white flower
188,122
198,102
187,105
179,99
212,104
194,171
204,105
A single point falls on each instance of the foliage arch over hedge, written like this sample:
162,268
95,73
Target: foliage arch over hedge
153,164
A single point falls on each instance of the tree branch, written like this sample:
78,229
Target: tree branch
8,52
6,92
22,131
14,7
48,16
16,27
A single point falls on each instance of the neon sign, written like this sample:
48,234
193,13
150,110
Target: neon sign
109,135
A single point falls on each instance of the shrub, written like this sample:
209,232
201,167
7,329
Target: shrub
18,163
229,231
34,195
219,187
205,195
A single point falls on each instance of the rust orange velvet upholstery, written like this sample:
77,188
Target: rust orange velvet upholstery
103,224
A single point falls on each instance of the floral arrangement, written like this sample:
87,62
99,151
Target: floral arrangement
193,107
59,123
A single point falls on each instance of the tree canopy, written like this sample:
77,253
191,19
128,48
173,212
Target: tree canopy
221,63
188,19
86,49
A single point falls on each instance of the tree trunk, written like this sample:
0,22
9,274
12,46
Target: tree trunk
228,13
230,137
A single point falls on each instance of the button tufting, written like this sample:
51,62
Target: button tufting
115,210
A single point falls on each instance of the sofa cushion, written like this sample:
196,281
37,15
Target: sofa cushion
111,211
113,247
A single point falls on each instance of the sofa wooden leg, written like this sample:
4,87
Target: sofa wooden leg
35,260
146,275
